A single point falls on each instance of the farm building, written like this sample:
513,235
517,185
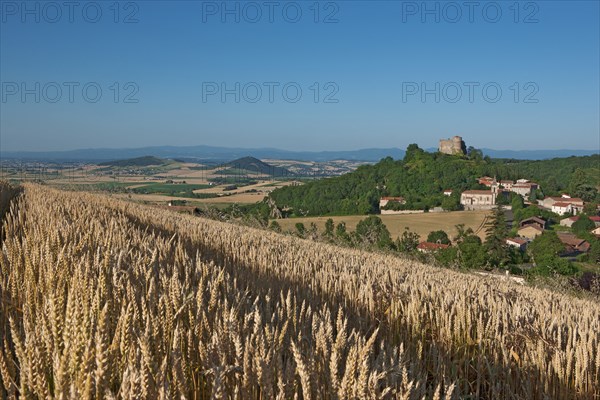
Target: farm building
535,221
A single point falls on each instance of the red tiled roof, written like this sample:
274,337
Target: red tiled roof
393,198
432,246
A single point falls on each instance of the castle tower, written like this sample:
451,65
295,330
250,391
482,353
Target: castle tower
454,145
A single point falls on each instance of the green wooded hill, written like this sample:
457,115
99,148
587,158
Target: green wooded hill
421,178
135,162
253,165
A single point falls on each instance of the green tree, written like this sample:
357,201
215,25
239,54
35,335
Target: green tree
594,252
462,233
545,247
300,229
474,154
329,227
447,257
533,211
438,237
373,231
586,192
495,239
313,231
591,208
341,233
471,253
408,242
577,179
517,203
413,151
274,226
583,225
451,203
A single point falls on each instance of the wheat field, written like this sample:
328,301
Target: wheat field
101,298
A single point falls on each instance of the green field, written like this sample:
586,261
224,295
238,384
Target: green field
173,189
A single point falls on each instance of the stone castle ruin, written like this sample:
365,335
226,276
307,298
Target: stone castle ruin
454,145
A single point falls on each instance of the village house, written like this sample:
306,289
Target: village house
562,208
481,199
429,247
485,181
573,244
478,199
548,202
569,221
505,184
519,243
530,231
524,189
448,192
596,232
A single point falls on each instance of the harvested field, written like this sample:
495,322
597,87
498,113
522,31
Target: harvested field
422,224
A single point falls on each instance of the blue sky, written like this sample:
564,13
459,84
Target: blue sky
361,69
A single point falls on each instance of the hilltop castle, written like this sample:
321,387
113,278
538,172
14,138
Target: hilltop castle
454,145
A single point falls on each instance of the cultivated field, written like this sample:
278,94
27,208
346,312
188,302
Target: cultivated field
422,223
103,298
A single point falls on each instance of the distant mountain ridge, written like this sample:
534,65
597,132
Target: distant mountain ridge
135,162
214,153
224,154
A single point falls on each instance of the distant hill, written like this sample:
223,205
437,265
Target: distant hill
537,154
253,165
221,154
135,162
202,153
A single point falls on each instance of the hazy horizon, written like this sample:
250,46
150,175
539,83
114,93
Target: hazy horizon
275,147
